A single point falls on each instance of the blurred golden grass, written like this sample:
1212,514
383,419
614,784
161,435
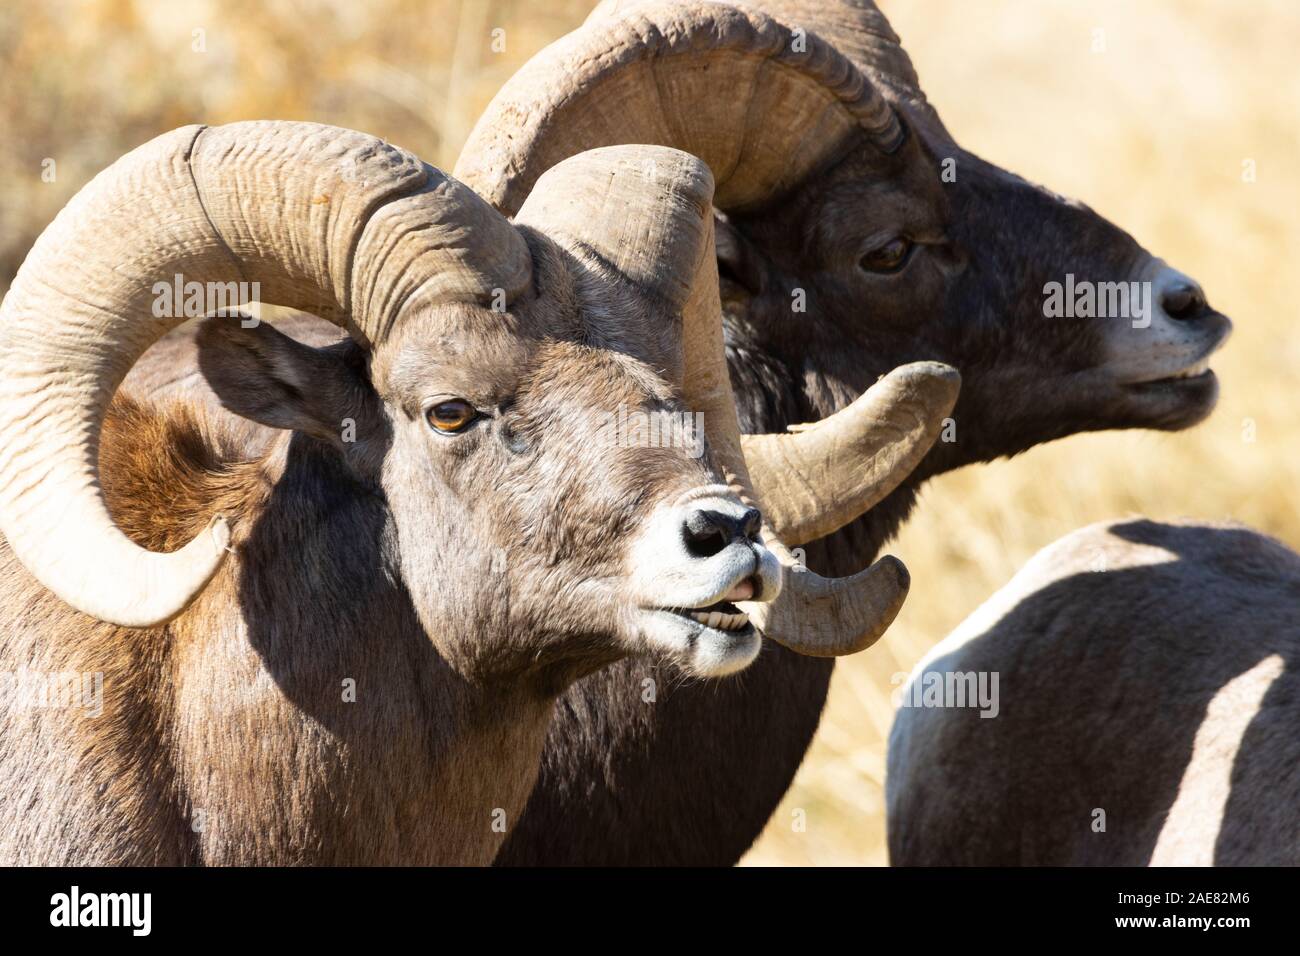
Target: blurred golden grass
1152,132
88,80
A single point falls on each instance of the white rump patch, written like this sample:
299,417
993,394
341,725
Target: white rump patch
1192,827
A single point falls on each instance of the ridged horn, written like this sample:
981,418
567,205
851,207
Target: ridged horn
856,28
816,478
324,220
633,214
764,106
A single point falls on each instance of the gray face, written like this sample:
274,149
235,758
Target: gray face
552,502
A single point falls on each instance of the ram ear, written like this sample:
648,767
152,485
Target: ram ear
741,267
263,375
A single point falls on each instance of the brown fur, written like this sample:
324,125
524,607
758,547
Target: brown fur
209,713
225,737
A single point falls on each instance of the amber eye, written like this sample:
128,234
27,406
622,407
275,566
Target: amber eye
888,257
451,415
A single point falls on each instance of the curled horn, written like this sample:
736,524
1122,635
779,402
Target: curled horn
764,106
324,220
818,477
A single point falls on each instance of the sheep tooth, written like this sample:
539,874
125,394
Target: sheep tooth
715,618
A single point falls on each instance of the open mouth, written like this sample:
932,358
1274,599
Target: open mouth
1193,374
722,616
708,640
1174,398
1198,370
1196,375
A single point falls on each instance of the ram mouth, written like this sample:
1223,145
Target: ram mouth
722,616
1195,374
1199,370
707,640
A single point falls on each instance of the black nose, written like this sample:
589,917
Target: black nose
707,531
1183,301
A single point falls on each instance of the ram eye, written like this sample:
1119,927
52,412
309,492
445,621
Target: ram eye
451,415
887,258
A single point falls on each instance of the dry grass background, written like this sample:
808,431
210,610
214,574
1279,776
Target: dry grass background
1153,133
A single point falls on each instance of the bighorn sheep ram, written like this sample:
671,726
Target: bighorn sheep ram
1147,715
357,658
830,198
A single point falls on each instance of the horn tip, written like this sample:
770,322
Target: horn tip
939,372
934,383
218,530
902,577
